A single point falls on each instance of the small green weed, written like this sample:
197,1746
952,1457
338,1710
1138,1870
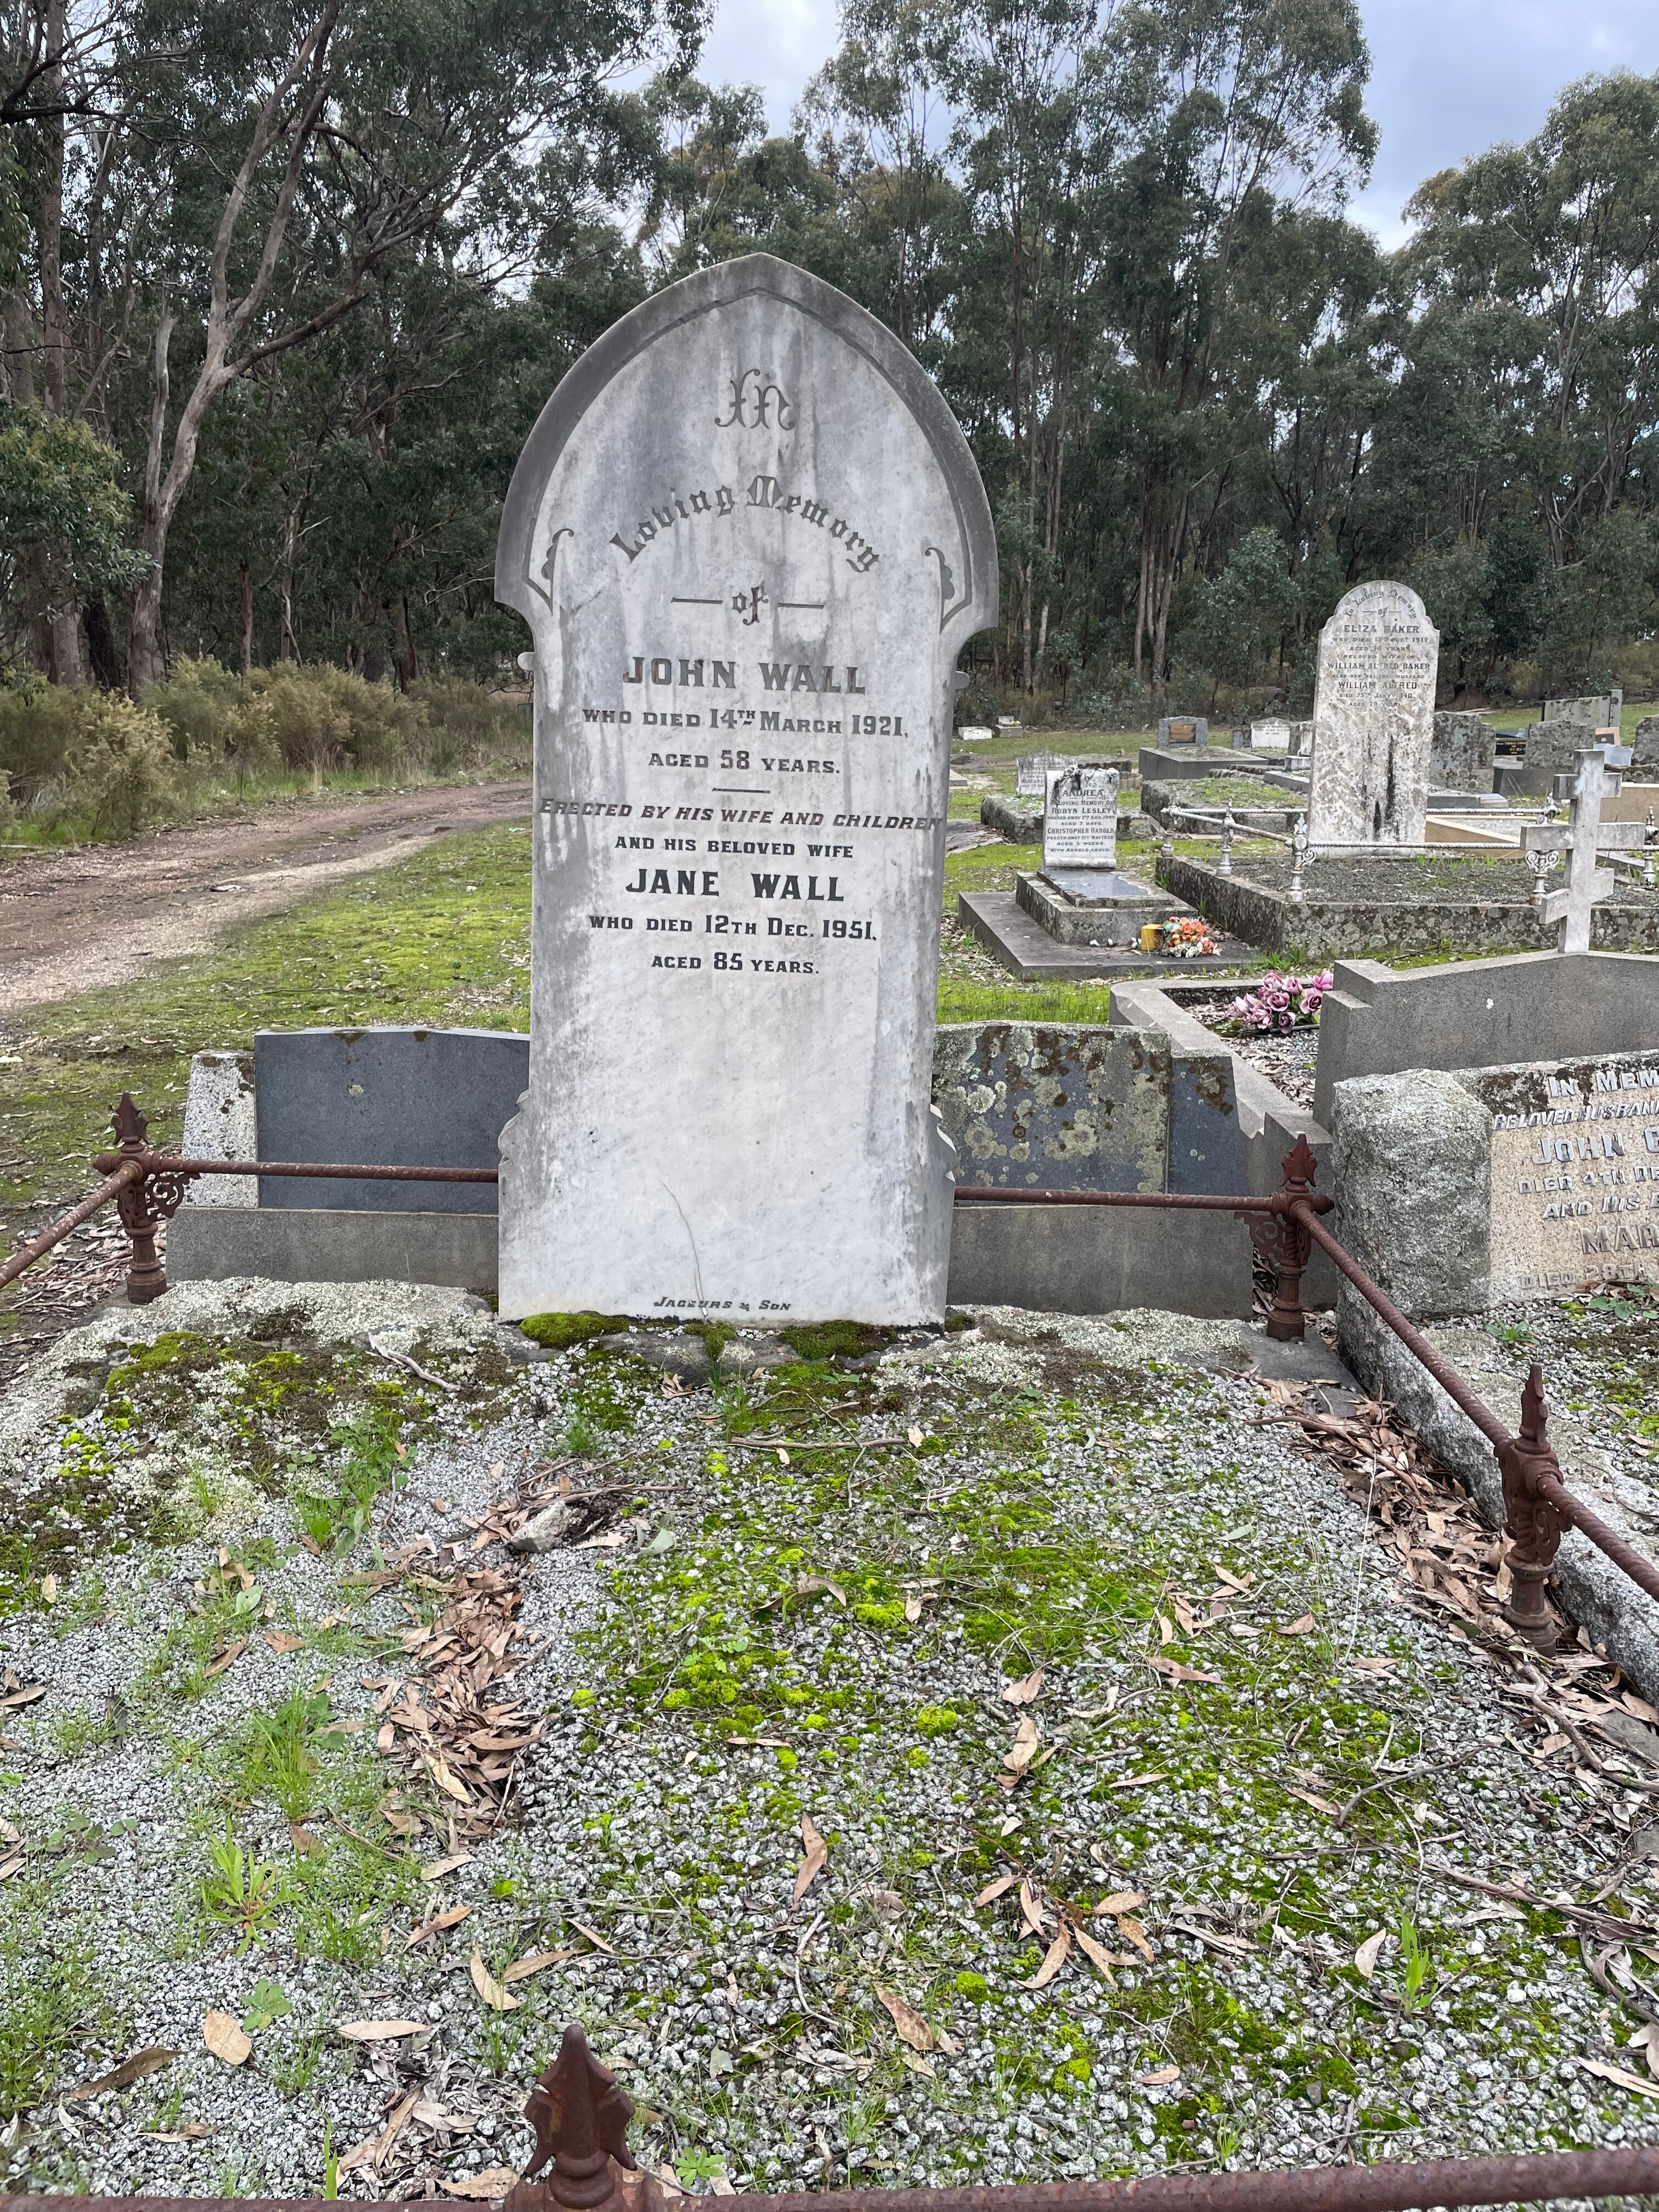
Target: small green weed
280,1757
1414,1958
370,1456
267,2004
242,1889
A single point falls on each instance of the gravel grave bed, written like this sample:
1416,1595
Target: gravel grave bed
951,1757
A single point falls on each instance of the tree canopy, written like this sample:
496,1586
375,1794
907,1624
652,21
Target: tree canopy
284,286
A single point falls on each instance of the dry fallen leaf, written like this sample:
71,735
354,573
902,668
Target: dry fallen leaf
16,1698
912,1608
1132,1932
1365,1957
1097,1953
1058,1953
436,1925
1121,1900
1605,2073
1031,1914
226,1657
1165,1633
1298,1627
225,2039
1158,2079
1024,1693
495,2181
438,1767
1177,1672
912,2027
284,1639
522,1969
918,1440
1024,1748
124,2075
378,2031
593,1936
999,1887
436,1873
49,1589
817,1858
497,1998
301,1838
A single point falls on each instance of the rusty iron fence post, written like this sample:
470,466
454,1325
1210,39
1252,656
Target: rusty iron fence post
580,2118
1283,1242
150,1198
1533,1522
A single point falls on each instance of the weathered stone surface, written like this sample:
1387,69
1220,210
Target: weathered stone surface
1411,1163
1055,1109
388,1098
1595,713
751,542
1373,719
1021,825
1031,772
221,1124
1461,756
1079,818
1183,730
1575,1173
1644,750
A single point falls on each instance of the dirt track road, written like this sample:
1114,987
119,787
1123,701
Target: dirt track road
71,921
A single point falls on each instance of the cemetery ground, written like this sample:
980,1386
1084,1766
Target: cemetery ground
954,1755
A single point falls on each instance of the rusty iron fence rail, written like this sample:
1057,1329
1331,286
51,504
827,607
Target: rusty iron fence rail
147,1187
582,2163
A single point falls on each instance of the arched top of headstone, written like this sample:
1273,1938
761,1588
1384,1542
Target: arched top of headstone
751,363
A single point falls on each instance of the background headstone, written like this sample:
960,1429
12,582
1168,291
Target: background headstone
1079,818
1183,730
1373,719
1031,774
1273,735
1596,710
750,543
1575,1173
1461,753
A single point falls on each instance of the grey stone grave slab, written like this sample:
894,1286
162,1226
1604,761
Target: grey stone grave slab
1054,1108
1596,711
750,543
1373,719
388,1098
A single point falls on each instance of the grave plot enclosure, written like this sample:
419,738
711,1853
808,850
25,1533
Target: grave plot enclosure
749,541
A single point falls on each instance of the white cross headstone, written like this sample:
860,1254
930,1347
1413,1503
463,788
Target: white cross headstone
750,543
1583,838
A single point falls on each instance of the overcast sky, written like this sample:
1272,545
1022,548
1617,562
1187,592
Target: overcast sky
1448,77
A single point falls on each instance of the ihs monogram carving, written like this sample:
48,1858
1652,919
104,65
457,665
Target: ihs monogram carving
754,394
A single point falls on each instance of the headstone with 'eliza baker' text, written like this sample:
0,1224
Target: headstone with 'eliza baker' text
750,542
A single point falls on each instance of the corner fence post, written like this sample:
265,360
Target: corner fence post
146,1276
581,2120
1282,1242
1531,1521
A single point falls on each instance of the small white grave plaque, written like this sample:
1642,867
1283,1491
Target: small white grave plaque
751,542
1373,719
1079,818
1575,1173
1271,736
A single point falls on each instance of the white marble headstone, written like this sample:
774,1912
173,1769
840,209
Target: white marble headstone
1373,719
751,542
1272,736
1079,818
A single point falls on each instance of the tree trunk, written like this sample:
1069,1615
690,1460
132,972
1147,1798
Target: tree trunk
412,673
63,612
145,662
248,622
100,646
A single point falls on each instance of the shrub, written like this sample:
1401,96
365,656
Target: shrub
477,722
120,771
211,717
324,717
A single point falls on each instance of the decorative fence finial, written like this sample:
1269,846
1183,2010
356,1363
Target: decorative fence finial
580,2118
